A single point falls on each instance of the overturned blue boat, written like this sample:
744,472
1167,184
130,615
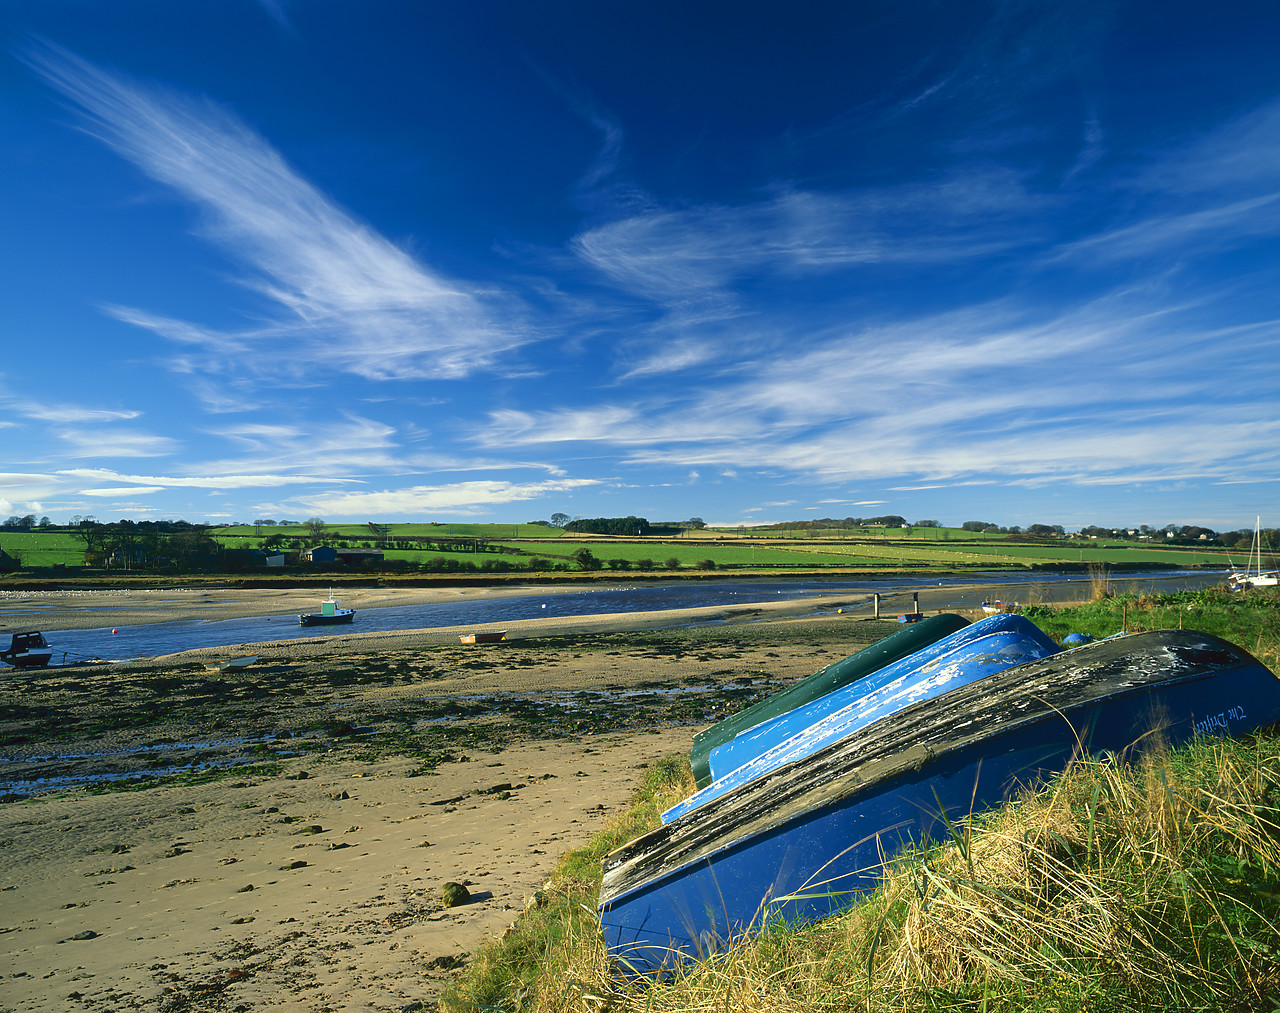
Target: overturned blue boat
972,653
827,679
809,838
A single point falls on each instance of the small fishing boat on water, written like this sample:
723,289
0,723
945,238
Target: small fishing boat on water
27,650
813,836
329,614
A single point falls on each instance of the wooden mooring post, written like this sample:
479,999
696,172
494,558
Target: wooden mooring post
915,603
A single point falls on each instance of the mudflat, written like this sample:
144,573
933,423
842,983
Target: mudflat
179,837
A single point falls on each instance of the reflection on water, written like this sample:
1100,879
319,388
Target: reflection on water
166,638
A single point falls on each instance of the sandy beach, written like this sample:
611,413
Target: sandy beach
287,829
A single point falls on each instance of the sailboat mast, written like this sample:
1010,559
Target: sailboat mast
1257,544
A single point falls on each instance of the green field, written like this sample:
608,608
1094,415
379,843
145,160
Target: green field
533,548
42,548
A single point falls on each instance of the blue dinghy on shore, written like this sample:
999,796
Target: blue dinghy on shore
988,646
808,839
826,680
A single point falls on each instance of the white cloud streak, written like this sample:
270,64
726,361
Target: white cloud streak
1079,398
115,442
353,301
191,482
131,490
455,498
676,257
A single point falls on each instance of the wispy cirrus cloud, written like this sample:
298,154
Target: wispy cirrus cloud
458,497
243,481
19,480
1091,395
679,255
124,490
53,412
345,296
115,442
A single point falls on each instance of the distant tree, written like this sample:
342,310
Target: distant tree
45,522
93,536
706,564
586,559
559,520
672,563
928,524
193,549
645,564
609,525
696,522
977,525
316,526
619,564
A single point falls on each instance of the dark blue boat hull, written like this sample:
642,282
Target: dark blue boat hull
806,841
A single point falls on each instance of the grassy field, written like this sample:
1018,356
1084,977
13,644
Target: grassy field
526,548
1115,889
42,548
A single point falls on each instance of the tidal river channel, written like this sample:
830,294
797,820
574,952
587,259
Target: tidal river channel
129,642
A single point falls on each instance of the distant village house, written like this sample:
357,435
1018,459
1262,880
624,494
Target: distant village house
351,557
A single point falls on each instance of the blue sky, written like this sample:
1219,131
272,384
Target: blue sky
418,261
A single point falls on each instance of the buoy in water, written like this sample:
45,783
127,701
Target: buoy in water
113,633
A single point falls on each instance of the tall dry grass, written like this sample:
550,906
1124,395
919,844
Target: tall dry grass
1118,888
1100,586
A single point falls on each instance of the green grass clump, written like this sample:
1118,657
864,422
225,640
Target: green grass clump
1249,619
1116,889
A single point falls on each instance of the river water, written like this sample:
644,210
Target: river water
128,642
